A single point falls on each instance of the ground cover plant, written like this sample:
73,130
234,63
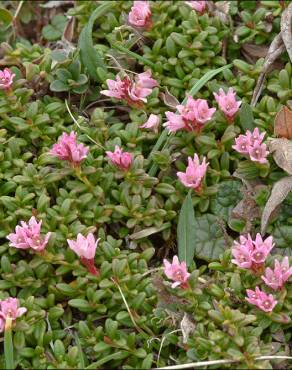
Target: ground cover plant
145,187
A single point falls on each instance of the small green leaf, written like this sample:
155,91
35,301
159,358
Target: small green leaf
209,240
186,231
5,17
58,86
90,58
246,117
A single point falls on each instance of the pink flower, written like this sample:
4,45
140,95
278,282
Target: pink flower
258,153
85,248
2,323
251,145
140,14
152,123
117,88
67,149
266,302
227,103
191,117
276,278
255,136
29,236
132,92
177,272
251,254
6,79
199,6
10,308
242,144
194,174
262,248
122,160
242,252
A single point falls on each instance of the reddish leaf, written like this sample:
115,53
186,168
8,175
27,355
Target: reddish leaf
283,123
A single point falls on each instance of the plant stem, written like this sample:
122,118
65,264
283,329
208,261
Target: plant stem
8,344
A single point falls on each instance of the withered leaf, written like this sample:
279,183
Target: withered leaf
187,327
279,192
282,153
283,123
286,29
68,33
168,99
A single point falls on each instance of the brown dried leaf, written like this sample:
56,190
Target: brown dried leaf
187,327
282,153
279,192
283,123
275,50
286,29
169,100
68,33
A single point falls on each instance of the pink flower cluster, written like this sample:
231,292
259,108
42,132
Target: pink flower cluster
120,159
9,308
227,103
85,248
276,278
265,302
67,149
198,6
251,254
140,15
29,236
177,272
6,79
194,174
251,145
191,117
132,92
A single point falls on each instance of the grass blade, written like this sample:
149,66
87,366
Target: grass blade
8,345
134,55
194,90
90,58
186,230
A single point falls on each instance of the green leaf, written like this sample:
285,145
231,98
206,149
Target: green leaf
209,240
8,345
55,30
186,231
227,197
194,90
89,57
58,86
5,17
246,117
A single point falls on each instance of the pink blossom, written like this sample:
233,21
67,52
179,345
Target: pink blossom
276,278
10,308
6,79
199,6
194,174
242,144
140,14
255,136
85,248
67,149
131,91
227,103
251,145
122,160
117,88
29,236
152,123
177,272
242,252
266,302
192,116
251,254
2,323
258,153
